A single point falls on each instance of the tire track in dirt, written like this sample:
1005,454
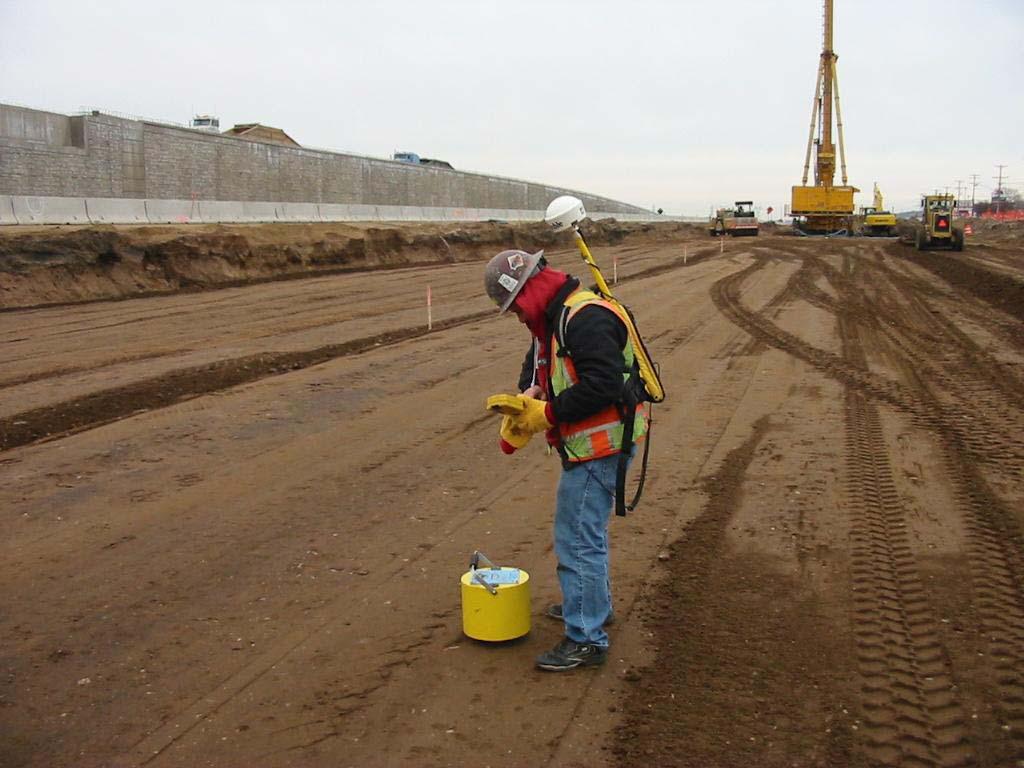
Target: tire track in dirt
718,693
999,291
911,714
956,384
995,543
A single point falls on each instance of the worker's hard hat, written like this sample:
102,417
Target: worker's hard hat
565,211
507,273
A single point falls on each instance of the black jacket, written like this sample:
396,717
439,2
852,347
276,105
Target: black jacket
594,338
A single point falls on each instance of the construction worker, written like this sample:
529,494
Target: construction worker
571,388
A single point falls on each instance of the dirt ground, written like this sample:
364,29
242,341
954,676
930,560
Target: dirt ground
236,509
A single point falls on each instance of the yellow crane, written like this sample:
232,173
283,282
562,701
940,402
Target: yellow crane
824,208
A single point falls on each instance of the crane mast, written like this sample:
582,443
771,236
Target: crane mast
823,207
826,166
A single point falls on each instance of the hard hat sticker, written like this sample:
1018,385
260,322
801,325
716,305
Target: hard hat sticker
515,261
507,282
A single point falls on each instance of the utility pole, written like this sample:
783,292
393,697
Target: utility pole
959,184
999,179
974,187
997,196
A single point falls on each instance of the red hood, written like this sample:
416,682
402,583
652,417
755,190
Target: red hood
535,296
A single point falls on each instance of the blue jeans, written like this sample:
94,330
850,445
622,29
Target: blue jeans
586,495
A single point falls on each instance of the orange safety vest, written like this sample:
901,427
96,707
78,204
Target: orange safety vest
598,435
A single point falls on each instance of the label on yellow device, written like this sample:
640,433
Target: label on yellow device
495,576
510,405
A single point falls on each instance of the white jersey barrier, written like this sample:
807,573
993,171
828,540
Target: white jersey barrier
49,210
172,211
7,210
20,209
116,210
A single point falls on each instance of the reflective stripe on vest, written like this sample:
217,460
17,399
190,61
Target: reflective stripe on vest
598,435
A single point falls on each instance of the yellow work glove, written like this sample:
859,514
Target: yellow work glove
510,405
534,416
512,439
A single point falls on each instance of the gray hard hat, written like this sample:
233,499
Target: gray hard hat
507,273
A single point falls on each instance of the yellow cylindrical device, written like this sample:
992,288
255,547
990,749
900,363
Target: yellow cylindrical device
495,603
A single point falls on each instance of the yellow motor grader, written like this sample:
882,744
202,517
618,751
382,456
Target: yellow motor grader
936,229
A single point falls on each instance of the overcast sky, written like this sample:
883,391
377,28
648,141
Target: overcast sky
680,104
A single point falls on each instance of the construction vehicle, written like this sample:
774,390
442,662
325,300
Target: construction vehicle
413,159
878,222
936,228
824,209
737,221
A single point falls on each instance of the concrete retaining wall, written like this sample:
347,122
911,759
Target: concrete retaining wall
21,209
103,156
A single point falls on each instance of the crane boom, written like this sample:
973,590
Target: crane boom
824,207
826,168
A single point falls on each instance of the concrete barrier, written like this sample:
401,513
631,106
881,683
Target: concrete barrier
434,213
388,212
7,210
15,209
298,212
116,210
353,212
173,212
364,212
49,210
261,212
220,211
334,212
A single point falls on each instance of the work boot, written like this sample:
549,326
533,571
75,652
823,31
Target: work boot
569,654
555,612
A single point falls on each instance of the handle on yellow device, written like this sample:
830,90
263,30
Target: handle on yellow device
643,358
509,405
599,280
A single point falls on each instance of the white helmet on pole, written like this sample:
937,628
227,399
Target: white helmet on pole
564,212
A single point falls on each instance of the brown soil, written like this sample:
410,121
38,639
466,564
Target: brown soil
55,265
236,517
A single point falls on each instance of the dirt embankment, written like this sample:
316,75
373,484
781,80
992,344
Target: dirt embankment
56,265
